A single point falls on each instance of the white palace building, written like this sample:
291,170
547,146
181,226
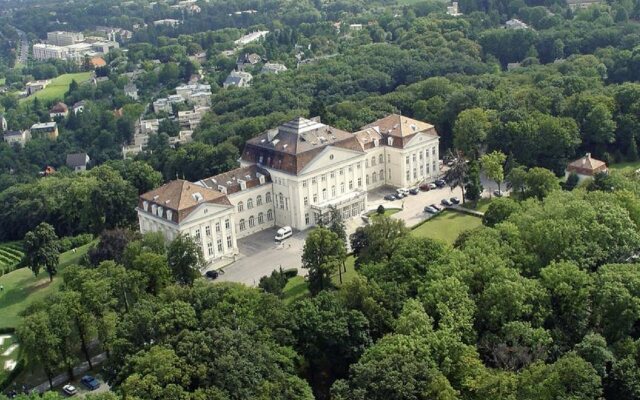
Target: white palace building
291,175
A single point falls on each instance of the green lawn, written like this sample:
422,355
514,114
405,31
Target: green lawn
58,87
482,205
295,289
387,212
22,288
635,165
447,226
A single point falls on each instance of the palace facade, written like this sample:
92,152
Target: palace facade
291,175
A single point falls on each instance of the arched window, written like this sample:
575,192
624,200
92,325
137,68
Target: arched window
249,203
261,218
381,158
381,175
242,225
374,177
259,200
270,215
240,206
252,222
267,197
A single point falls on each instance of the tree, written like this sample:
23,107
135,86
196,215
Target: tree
493,166
274,283
380,210
185,259
322,255
473,186
540,182
378,241
517,181
40,343
41,250
499,210
111,245
572,181
470,131
336,223
456,176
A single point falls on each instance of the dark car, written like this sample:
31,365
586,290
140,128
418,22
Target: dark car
430,210
390,197
446,202
425,187
440,183
213,274
414,191
455,200
400,196
90,382
437,207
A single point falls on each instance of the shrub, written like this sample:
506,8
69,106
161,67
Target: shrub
380,210
274,283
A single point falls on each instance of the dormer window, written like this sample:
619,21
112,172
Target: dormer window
375,142
159,211
145,205
243,184
154,209
169,215
261,179
390,141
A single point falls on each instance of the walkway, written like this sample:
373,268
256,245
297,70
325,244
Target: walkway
77,371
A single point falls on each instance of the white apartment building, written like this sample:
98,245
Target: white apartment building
61,38
293,174
42,51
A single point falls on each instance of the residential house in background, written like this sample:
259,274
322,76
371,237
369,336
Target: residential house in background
167,22
196,93
59,110
273,68
581,4
78,161
515,23
190,119
44,130
36,86
184,137
20,137
247,60
238,78
453,9
586,167
61,38
250,37
78,107
131,90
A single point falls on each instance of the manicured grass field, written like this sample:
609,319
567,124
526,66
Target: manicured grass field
387,212
447,226
22,288
632,165
295,289
58,87
482,205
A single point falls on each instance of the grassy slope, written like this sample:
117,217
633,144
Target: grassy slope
22,288
58,87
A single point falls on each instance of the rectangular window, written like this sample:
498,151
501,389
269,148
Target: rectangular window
433,151
421,155
217,226
366,163
413,156
220,249
407,160
313,181
315,198
207,230
421,169
358,166
304,183
342,187
324,194
359,182
333,191
333,174
427,169
415,173
306,201
197,234
210,248
324,177
229,242
227,224
306,218
373,161
408,174
350,185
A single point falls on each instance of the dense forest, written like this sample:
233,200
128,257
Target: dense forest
541,303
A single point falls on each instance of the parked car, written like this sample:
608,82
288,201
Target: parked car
498,193
213,274
283,233
400,196
390,197
69,390
455,200
446,202
402,191
432,186
414,190
425,187
437,207
430,210
90,382
441,183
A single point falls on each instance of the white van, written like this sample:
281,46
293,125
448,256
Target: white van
283,233
403,191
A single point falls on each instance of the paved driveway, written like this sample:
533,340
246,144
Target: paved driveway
260,255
